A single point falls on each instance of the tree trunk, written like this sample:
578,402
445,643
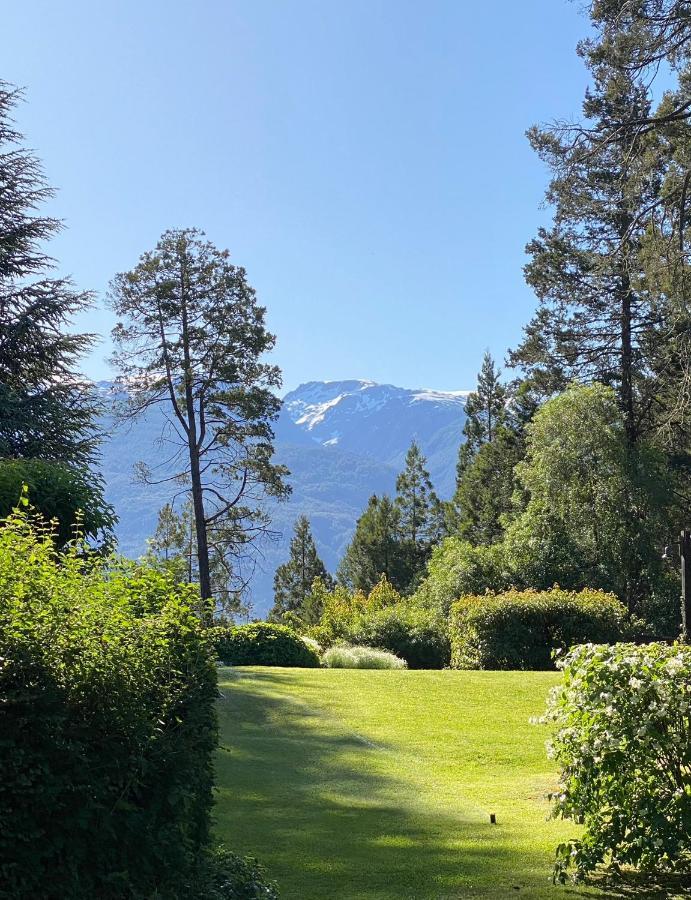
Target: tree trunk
627,400
195,471
625,333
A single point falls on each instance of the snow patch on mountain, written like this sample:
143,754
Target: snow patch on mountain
428,395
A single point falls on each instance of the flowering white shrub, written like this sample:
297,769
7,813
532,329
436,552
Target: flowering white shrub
342,657
622,738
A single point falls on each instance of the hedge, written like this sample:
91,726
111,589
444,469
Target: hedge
108,692
417,635
262,644
522,629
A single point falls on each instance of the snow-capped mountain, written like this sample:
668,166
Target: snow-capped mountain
379,420
341,440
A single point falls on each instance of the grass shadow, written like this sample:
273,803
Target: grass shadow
636,886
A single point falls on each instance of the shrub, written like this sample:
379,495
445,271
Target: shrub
521,629
457,569
226,876
108,726
417,635
66,495
622,737
385,620
344,657
262,644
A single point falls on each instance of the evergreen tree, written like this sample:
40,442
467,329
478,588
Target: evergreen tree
485,411
492,447
47,409
170,537
294,579
595,317
193,339
420,513
376,549
632,42
484,496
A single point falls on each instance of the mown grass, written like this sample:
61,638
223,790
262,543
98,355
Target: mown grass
379,785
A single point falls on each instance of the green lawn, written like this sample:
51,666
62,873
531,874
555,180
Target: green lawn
379,784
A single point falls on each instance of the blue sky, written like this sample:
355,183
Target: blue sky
365,161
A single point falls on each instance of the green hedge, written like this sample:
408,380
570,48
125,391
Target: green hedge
262,644
521,629
107,690
417,635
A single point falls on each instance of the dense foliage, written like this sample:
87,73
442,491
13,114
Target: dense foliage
382,619
592,513
66,495
522,629
622,738
262,644
108,693
458,568
596,507
407,629
224,875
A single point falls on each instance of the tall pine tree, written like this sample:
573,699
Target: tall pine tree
47,408
492,447
485,411
192,339
595,318
293,579
420,513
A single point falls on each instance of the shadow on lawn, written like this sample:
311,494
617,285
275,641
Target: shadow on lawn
641,887
317,806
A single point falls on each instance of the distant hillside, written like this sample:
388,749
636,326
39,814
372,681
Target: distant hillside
341,440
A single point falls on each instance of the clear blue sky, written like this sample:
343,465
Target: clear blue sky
365,161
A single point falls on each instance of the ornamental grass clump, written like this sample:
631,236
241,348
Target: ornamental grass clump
622,738
341,657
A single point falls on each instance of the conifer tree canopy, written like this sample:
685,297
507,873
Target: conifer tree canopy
47,408
293,579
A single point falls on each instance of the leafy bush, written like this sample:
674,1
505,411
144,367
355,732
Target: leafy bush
622,737
262,644
457,569
108,693
417,635
226,876
385,620
64,494
521,629
343,657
